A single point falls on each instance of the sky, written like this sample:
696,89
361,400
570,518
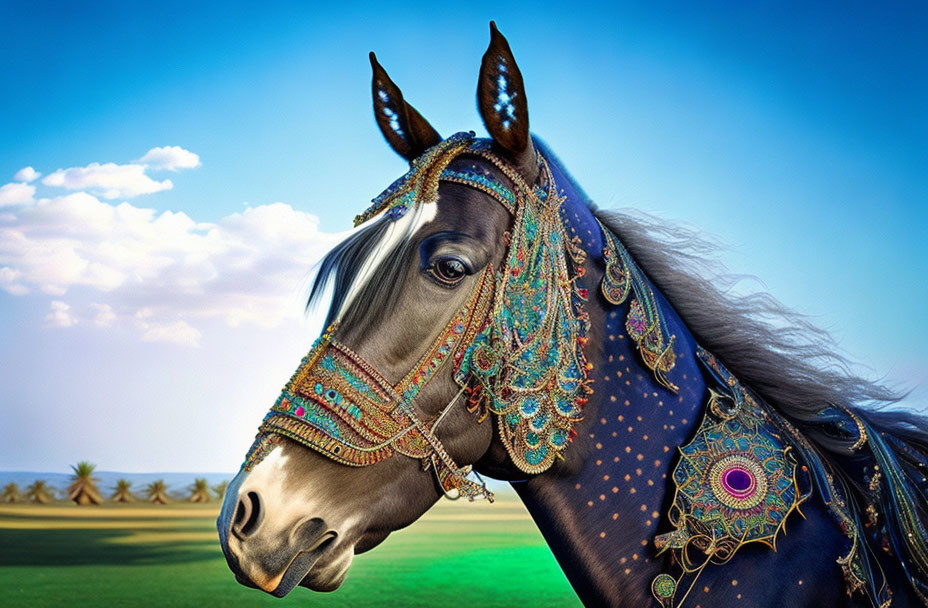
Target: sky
169,173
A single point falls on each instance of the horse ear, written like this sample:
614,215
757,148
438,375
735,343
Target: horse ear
503,106
406,130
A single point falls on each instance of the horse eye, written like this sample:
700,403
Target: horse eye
448,271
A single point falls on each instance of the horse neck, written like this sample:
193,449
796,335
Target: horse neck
600,508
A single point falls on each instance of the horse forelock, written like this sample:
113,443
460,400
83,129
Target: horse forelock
363,272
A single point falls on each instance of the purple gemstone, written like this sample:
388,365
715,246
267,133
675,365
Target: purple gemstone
738,480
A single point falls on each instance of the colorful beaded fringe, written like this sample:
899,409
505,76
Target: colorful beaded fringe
528,365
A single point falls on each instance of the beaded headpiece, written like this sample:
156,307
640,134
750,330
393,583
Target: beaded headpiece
517,343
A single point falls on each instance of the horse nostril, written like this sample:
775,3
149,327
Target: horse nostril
247,515
239,514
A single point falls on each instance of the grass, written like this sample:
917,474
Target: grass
141,555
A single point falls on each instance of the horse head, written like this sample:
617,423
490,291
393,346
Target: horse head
386,413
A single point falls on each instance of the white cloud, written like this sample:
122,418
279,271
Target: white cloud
104,315
108,180
16,194
178,332
172,158
9,281
159,274
60,315
27,174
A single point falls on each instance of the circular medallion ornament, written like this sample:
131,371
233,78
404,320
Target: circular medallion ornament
738,481
664,587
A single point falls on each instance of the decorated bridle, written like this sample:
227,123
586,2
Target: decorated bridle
516,344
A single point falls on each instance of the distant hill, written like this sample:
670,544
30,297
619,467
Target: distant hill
177,482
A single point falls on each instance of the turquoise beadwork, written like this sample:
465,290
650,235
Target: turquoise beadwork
528,365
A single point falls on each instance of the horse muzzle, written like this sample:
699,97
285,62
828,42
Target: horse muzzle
266,548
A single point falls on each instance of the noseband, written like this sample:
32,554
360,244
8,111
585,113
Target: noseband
516,344
342,407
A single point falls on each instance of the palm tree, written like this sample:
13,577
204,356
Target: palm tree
123,492
10,493
220,489
157,492
40,492
83,489
199,491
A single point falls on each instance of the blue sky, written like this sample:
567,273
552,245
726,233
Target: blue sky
155,340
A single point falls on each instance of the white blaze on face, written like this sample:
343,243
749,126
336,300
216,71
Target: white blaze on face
267,480
281,508
286,502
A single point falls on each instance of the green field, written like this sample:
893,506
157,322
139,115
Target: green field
149,555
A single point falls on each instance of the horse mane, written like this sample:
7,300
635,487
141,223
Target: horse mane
784,357
793,364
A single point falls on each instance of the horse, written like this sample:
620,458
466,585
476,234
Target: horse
486,319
